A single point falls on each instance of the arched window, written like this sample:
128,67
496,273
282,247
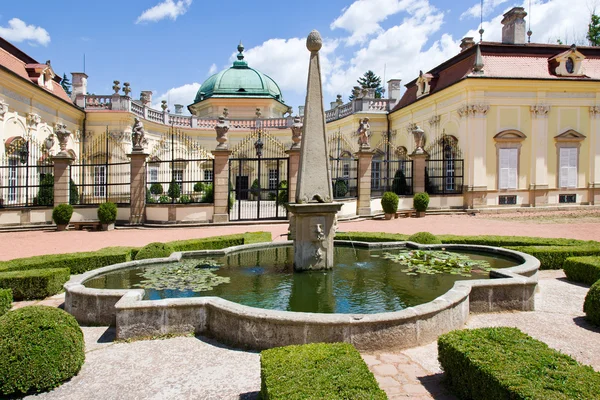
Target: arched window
444,170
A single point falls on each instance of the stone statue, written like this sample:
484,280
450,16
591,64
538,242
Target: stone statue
364,133
296,132
419,136
222,127
138,135
63,137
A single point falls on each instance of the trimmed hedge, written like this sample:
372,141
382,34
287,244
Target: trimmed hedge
220,242
493,240
389,202
62,213
591,306
421,201
6,300
34,284
553,257
40,347
505,363
371,236
582,269
154,250
424,238
316,371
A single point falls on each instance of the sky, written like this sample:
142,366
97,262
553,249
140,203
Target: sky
172,46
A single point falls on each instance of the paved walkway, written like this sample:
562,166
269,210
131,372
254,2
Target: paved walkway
23,244
197,368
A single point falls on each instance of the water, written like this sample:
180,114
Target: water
359,283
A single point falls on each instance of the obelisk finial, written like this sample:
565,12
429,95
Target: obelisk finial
314,41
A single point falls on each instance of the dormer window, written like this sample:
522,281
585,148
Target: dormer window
568,63
423,84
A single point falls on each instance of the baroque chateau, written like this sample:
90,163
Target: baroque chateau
498,125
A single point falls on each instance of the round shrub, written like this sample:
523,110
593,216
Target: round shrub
62,214
591,306
421,201
154,250
156,189
40,347
198,187
340,188
107,213
174,190
389,202
424,238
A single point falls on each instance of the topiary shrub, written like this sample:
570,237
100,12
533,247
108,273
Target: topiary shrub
40,347
174,190
45,196
154,250
400,186
255,188
389,202
6,300
582,269
107,213
421,201
62,214
424,238
283,196
156,189
73,193
34,283
591,306
340,188
208,196
199,187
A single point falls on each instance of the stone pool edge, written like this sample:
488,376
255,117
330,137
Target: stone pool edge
512,289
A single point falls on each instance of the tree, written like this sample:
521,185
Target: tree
66,84
593,34
370,81
400,186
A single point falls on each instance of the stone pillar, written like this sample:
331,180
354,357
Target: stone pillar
363,205
419,164
294,164
137,206
538,184
221,185
61,178
594,137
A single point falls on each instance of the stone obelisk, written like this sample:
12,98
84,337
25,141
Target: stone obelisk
312,226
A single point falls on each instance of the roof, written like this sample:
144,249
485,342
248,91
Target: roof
21,64
503,61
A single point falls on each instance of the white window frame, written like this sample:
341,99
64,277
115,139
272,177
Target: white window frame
568,167
273,179
152,174
346,169
13,180
100,181
178,177
508,166
208,175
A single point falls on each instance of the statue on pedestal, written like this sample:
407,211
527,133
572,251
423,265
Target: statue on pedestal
138,138
364,133
63,137
419,136
222,128
296,132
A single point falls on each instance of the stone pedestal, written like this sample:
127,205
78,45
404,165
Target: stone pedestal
221,185
137,205
294,165
61,161
363,205
419,164
312,227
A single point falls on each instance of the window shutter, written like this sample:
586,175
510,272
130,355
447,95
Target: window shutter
503,169
572,180
512,168
568,167
507,174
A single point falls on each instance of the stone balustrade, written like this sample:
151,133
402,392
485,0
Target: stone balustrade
359,105
94,102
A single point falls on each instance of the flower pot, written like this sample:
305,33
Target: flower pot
108,227
61,227
388,216
420,214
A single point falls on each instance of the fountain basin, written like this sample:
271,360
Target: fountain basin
243,326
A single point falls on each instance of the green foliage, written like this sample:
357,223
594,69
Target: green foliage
154,250
187,274
40,347
593,33
164,199
208,195
433,262
370,81
503,241
220,242
107,213
255,188
340,188
554,257
174,190
45,196
73,193
149,198
156,189
389,202
283,196
505,363
332,371
591,306
6,299
371,236
582,269
34,283
424,238
199,187
421,201
399,185
62,214
428,184
66,84
185,199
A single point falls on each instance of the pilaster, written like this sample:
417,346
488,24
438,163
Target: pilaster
137,205
221,189
476,115
538,186
594,137
363,205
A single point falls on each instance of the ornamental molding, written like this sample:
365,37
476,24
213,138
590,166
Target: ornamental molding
540,110
435,120
595,111
472,110
3,109
33,120
411,127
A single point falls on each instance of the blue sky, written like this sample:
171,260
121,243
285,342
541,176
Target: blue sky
172,46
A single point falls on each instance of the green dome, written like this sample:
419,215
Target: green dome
239,81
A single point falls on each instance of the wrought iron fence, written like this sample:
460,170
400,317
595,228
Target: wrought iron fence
344,177
392,176
103,172
444,176
26,174
179,171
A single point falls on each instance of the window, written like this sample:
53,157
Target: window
100,181
449,172
153,174
346,170
13,178
178,177
273,179
570,65
507,168
376,174
567,198
208,175
568,167
505,200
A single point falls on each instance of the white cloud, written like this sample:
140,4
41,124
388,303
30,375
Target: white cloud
167,9
18,31
488,8
180,95
213,69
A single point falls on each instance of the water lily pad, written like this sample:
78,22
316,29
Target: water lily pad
196,275
437,262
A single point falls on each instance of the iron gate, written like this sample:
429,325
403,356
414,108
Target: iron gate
258,188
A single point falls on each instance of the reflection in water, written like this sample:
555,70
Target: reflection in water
360,282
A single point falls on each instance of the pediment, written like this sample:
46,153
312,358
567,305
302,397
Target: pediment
510,135
569,136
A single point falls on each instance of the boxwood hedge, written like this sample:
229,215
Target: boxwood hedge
34,284
424,238
591,306
6,300
553,257
582,269
154,250
505,363
316,371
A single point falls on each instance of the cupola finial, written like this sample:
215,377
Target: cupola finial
240,48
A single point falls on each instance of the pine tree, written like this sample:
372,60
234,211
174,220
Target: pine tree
370,81
593,34
66,84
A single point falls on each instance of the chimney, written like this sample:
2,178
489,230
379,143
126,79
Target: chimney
514,27
146,97
179,109
78,88
466,43
394,89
